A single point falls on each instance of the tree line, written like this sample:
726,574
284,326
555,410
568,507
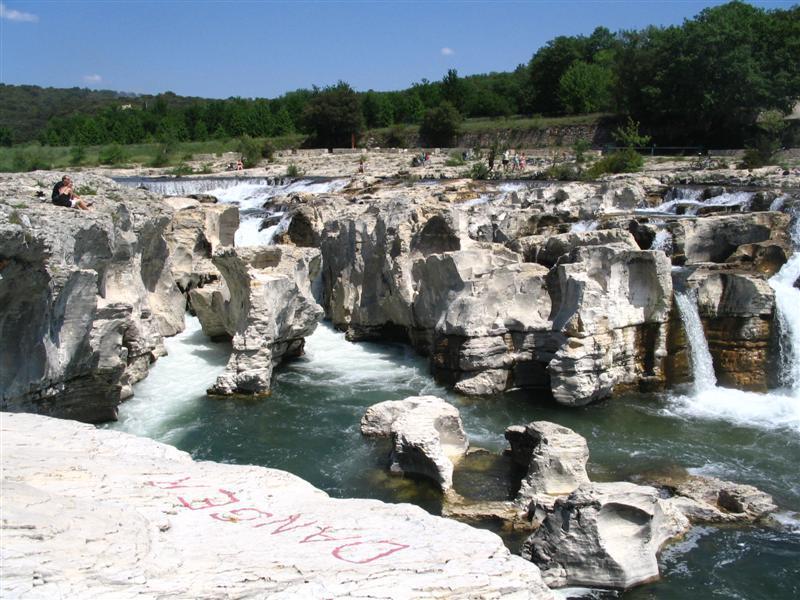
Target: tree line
705,81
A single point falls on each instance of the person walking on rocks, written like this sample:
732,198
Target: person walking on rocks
63,195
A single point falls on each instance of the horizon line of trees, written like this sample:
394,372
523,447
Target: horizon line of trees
705,81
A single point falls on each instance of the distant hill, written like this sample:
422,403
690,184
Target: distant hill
26,109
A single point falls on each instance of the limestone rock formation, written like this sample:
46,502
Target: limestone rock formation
106,514
197,230
604,535
265,305
427,435
614,306
87,296
555,458
712,500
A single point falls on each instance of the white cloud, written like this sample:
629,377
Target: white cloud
448,51
94,78
16,15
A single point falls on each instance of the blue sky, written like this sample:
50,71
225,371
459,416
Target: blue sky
263,48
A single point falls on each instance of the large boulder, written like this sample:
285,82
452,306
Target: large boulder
554,456
427,435
265,306
196,232
604,535
108,515
87,296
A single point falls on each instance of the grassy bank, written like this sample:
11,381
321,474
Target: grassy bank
33,156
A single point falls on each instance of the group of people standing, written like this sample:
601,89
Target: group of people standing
514,162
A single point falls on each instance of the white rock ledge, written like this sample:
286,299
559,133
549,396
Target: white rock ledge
98,513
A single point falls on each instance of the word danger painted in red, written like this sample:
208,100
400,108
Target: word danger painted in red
355,548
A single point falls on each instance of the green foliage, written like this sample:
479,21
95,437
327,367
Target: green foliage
580,147
6,137
561,172
293,171
334,116
767,141
441,125
85,190
30,158
626,160
479,170
113,154
180,170
396,138
14,218
267,150
454,160
586,88
628,135
77,154
206,169
250,150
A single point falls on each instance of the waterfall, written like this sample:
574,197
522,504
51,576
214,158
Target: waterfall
787,315
583,226
691,200
662,241
702,365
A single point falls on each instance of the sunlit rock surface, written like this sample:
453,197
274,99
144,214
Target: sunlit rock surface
106,514
427,434
87,295
265,305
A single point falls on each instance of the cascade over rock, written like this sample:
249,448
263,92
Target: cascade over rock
87,296
107,514
506,291
265,305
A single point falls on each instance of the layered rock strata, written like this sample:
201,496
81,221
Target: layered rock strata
265,305
427,435
87,295
106,514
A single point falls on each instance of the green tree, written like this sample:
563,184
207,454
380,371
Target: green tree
377,109
585,88
441,125
454,90
6,137
334,116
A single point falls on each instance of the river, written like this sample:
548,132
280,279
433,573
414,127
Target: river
310,427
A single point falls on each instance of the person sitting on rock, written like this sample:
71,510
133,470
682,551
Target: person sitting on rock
239,165
64,196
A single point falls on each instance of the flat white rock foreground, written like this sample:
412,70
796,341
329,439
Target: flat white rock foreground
97,513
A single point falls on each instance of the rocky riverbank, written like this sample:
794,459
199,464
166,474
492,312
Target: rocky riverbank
108,514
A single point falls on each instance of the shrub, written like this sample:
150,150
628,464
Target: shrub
579,148
268,151
31,158
454,160
767,142
181,170
441,125
77,154
85,190
206,169
479,170
113,154
626,160
250,150
292,171
396,137
561,172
